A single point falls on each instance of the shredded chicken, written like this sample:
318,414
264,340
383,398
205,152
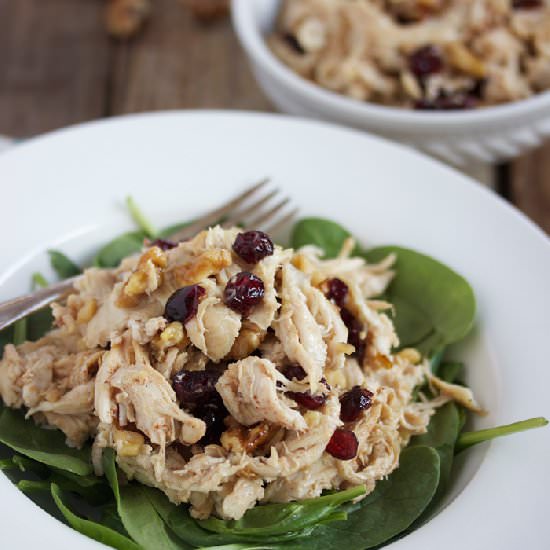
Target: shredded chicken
481,52
249,391
212,407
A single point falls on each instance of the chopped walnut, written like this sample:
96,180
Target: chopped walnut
380,361
464,60
125,18
87,311
173,335
203,266
128,443
241,439
145,279
411,355
248,340
208,10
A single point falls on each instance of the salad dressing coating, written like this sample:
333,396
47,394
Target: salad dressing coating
107,373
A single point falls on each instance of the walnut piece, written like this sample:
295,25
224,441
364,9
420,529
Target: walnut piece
241,439
125,18
145,279
464,60
248,340
208,263
208,10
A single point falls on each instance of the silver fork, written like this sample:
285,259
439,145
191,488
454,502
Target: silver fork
254,208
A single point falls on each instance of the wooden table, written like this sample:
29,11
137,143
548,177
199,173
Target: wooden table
59,67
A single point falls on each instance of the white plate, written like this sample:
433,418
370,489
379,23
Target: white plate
66,190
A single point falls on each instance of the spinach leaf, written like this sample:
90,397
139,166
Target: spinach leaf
19,332
115,251
92,529
6,337
93,495
62,265
434,306
277,519
431,296
45,446
8,464
141,220
27,465
142,522
39,323
189,531
109,517
38,280
326,234
443,430
392,507
138,515
452,372
468,439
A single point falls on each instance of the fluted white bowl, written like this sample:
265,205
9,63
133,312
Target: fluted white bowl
490,134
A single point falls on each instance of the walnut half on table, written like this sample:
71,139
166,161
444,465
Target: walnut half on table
208,10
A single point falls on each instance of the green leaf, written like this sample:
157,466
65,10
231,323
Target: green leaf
19,332
184,526
277,519
45,446
139,217
443,430
38,280
7,464
326,234
390,509
33,486
62,265
109,467
138,515
27,465
434,306
6,337
91,529
119,248
468,439
427,295
39,323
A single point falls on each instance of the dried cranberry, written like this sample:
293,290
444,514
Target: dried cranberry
243,292
253,246
343,444
184,303
183,450
526,4
425,61
337,291
355,328
294,371
213,415
307,400
353,402
196,387
164,244
292,41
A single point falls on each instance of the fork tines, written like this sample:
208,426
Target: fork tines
255,208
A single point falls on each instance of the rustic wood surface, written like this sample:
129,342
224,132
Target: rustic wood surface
59,67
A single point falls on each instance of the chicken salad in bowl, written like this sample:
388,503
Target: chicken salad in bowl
235,391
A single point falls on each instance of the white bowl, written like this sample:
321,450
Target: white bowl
489,135
176,167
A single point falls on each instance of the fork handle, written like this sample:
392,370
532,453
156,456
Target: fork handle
18,308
